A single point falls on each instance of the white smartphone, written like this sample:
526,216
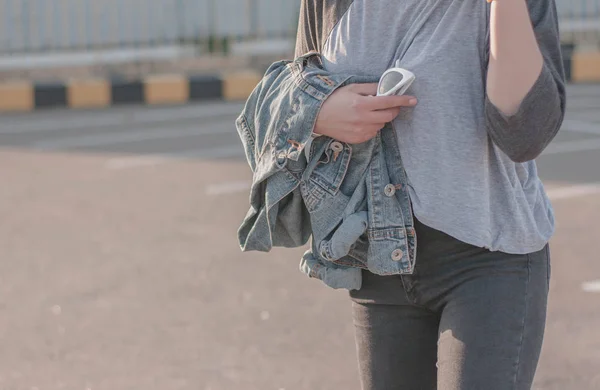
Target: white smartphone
395,81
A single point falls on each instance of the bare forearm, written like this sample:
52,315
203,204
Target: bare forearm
515,58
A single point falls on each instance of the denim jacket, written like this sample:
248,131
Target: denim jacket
351,199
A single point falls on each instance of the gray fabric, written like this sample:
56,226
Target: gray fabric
468,165
479,315
317,18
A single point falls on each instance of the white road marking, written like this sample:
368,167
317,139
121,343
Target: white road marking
581,126
572,146
591,287
158,159
232,187
118,138
117,117
265,315
135,162
121,116
554,194
573,191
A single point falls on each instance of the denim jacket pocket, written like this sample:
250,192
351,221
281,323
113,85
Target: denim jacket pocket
329,167
330,171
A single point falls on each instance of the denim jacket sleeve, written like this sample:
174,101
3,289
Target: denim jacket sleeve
274,127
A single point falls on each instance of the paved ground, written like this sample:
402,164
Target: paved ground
119,265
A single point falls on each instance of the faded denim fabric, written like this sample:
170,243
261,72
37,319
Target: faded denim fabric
351,199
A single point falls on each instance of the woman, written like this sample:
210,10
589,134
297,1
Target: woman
491,96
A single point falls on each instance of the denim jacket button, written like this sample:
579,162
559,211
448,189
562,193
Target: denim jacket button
397,255
389,190
337,147
281,157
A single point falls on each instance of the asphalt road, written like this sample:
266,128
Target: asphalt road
120,268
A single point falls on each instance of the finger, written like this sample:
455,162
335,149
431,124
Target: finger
380,116
373,103
369,89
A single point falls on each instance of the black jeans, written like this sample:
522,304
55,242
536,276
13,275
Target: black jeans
467,319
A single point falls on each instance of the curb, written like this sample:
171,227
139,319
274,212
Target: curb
101,93
582,65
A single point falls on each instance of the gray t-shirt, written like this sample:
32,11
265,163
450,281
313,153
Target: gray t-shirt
461,182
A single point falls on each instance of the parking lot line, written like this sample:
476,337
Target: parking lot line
573,191
581,126
231,187
41,122
559,193
572,146
138,135
120,163
591,287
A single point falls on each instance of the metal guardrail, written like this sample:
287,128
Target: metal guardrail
28,26
579,21
578,9
34,26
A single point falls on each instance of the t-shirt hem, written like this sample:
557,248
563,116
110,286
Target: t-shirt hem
482,242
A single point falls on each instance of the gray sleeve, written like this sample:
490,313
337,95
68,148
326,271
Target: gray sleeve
317,18
306,38
524,135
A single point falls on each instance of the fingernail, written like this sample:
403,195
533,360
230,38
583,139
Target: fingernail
412,101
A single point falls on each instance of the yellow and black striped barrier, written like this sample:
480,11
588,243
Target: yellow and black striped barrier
152,90
582,65
585,66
